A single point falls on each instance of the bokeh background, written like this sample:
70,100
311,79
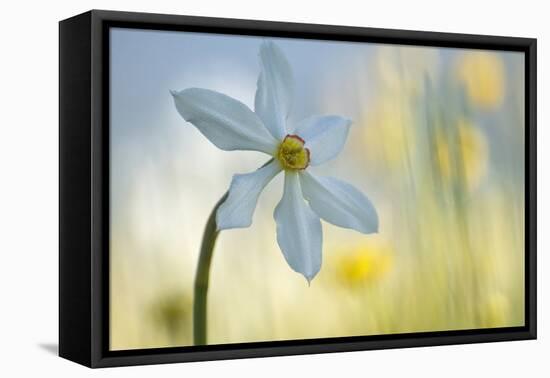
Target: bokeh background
437,143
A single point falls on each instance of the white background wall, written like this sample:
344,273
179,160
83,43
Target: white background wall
29,174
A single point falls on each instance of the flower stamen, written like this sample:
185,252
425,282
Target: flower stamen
292,154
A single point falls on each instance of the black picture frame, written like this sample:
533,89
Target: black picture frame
84,188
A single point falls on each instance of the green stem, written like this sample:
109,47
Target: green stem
203,275
202,278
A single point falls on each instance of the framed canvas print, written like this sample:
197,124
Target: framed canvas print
233,188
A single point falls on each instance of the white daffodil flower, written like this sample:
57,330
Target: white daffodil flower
231,125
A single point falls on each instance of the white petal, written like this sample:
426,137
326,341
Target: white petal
339,203
275,88
325,136
237,210
226,122
299,231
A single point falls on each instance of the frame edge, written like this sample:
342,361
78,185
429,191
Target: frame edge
75,273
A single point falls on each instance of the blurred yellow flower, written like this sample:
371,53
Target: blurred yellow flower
401,73
464,157
496,311
389,135
172,314
483,76
404,69
365,263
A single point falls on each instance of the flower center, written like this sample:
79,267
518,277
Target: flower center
292,154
